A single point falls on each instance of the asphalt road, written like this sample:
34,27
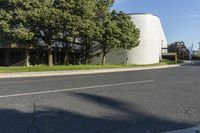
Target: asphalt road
148,101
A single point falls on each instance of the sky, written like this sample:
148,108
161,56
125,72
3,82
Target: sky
180,18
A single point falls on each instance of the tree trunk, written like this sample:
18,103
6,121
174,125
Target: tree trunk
7,61
50,57
55,57
86,56
66,59
86,59
27,63
103,59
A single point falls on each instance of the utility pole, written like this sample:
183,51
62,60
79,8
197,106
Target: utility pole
199,46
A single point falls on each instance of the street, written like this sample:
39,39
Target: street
147,101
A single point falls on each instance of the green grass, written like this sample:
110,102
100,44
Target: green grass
169,62
73,67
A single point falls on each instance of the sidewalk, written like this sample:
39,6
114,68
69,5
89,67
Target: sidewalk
78,72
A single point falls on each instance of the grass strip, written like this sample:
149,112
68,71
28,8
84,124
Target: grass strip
44,68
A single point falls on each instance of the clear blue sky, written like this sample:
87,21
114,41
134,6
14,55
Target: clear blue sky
180,18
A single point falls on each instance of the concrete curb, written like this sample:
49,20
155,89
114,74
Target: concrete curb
78,72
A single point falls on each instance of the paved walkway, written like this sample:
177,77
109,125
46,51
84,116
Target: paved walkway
78,72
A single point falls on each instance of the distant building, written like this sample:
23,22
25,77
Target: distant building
12,54
149,51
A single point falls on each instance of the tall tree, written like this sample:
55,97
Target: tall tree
118,32
78,25
68,25
44,20
26,20
87,27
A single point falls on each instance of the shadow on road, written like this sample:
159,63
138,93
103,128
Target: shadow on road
53,120
193,63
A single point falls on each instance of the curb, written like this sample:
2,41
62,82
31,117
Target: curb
78,72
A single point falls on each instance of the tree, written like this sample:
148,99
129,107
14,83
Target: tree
118,32
179,48
88,30
26,20
68,29
78,25
44,19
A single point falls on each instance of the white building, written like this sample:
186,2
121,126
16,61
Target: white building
152,40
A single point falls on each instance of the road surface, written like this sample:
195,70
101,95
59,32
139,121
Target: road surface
148,101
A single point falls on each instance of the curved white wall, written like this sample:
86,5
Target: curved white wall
152,39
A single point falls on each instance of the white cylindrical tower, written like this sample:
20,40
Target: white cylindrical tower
152,39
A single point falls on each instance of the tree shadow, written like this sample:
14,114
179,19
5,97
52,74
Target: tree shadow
193,63
54,120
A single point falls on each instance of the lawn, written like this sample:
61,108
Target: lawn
73,67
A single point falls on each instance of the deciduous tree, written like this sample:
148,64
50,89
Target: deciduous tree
118,32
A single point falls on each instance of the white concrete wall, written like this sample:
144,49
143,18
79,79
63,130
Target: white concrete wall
152,39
